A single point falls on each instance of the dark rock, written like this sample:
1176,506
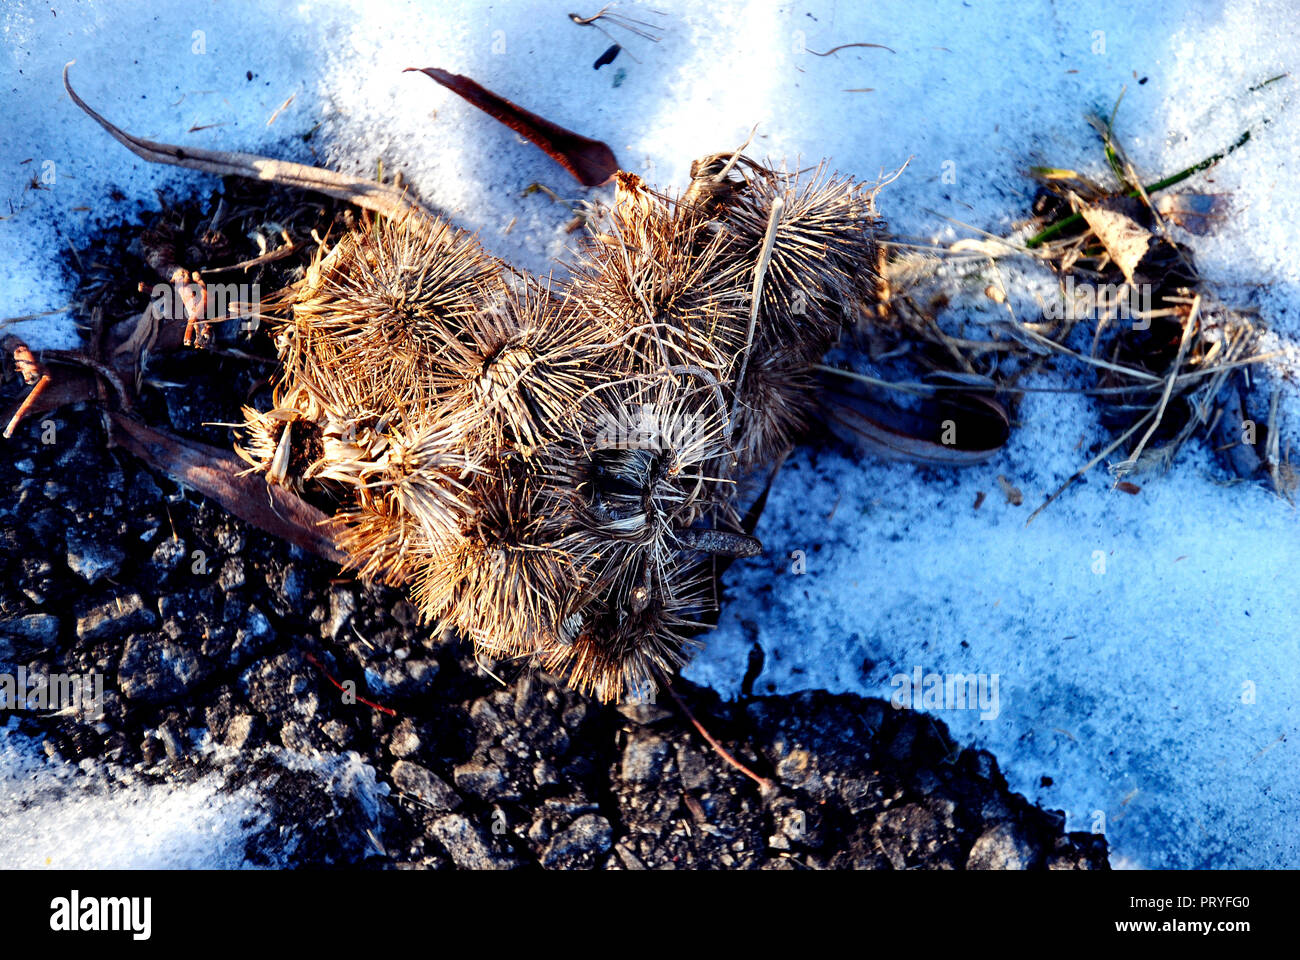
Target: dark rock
283,688
483,780
154,669
152,751
467,845
168,557
38,582
425,785
401,678
343,604
251,637
644,713
579,845
230,539
232,574
405,739
119,616
1003,847
644,757
339,733
91,558
241,732
23,637
911,837
171,741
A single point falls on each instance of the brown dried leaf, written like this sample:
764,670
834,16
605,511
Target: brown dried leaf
1127,242
977,426
222,476
384,198
591,162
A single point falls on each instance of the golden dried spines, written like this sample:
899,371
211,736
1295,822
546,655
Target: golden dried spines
387,308
823,256
526,363
777,401
624,649
551,466
649,468
658,284
383,543
427,474
504,582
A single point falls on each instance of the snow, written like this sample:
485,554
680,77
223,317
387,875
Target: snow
92,816
1125,688
52,817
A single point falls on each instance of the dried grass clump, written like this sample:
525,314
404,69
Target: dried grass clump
551,467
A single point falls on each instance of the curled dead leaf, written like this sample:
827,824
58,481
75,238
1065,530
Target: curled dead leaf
220,475
384,198
956,428
1140,255
590,162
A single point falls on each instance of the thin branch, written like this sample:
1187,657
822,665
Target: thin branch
383,198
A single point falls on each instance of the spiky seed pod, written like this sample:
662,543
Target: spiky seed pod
354,449
626,649
659,284
392,304
504,582
383,543
718,179
777,401
288,442
510,597
282,444
412,498
823,259
653,464
636,207
525,363
427,475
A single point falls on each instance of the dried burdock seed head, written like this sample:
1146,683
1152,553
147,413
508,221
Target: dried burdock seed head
718,179
550,467
661,286
428,475
662,446
824,254
636,206
510,598
282,444
777,401
653,464
392,304
354,449
528,360
623,650
503,582
384,543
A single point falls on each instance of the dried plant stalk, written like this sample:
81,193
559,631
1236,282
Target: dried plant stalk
382,198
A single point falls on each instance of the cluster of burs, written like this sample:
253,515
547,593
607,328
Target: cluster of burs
551,466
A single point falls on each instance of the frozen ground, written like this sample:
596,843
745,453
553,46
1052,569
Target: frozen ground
55,819
1124,688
